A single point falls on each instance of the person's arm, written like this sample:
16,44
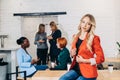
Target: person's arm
36,39
97,50
20,60
73,46
34,61
45,37
73,52
80,59
56,35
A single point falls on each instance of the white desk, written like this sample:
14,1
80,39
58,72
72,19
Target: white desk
55,75
48,75
112,60
106,75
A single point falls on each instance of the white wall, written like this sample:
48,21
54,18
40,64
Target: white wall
106,13
117,19
9,24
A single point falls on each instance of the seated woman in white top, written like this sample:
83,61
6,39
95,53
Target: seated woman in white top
25,61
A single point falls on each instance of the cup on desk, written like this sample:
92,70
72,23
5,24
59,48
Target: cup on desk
52,64
110,68
68,66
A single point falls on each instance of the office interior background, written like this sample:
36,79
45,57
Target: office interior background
106,13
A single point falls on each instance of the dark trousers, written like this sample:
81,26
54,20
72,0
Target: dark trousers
54,58
54,52
42,55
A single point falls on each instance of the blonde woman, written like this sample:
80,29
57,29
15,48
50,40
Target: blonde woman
84,46
56,33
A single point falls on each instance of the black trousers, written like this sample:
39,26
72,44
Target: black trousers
42,55
54,58
54,52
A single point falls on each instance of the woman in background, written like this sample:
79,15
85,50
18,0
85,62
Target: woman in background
56,33
25,61
41,42
84,46
64,56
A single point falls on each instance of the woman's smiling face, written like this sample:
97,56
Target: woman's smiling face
85,24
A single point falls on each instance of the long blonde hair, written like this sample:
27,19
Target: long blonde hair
53,24
91,34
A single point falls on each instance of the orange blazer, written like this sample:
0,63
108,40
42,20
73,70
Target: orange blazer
88,70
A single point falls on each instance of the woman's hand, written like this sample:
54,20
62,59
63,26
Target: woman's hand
80,59
73,52
41,41
34,61
49,37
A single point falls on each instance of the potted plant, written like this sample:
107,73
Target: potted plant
118,46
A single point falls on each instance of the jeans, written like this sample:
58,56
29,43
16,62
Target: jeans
83,78
72,75
39,67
